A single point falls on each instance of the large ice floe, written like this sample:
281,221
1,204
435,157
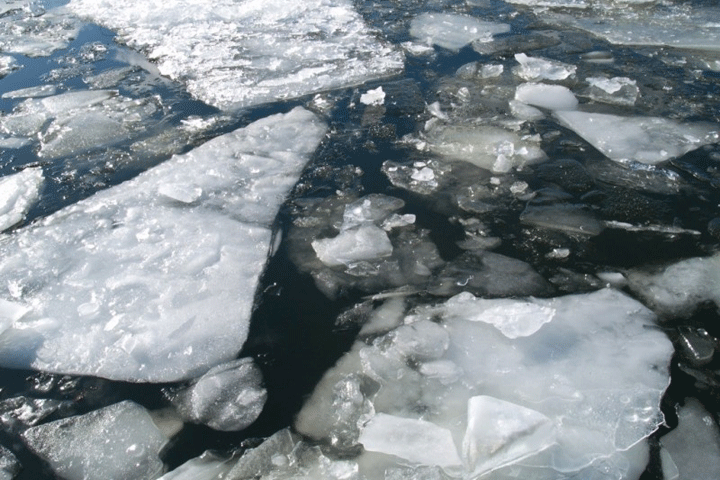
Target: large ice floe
540,389
236,54
155,278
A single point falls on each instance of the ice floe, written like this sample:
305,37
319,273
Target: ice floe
454,31
561,386
36,30
647,140
119,441
229,397
552,97
234,55
157,285
18,193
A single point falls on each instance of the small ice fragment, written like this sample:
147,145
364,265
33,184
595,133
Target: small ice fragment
425,174
417,441
532,69
373,97
552,97
365,242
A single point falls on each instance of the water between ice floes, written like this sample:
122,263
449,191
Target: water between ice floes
495,246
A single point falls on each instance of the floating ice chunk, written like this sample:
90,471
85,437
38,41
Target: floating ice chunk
524,111
207,466
552,97
453,31
396,221
500,433
119,441
681,287
371,209
616,90
648,140
360,243
229,397
694,445
373,97
532,69
237,54
29,29
9,465
415,440
150,286
574,219
8,65
18,193
491,148
513,318
32,92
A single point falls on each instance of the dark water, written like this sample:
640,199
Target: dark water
294,336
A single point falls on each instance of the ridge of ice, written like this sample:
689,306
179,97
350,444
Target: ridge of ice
18,193
234,54
155,289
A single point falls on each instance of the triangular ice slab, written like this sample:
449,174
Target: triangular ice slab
154,280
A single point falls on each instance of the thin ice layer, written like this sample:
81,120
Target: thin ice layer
647,140
234,54
155,284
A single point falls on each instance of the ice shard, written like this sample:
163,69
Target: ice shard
156,277
233,54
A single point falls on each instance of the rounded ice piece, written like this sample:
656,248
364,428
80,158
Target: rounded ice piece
365,242
552,97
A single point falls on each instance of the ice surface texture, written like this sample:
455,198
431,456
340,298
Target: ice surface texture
18,193
234,54
155,278
119,441
549,386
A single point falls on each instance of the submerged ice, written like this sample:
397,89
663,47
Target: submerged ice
155,277
237,54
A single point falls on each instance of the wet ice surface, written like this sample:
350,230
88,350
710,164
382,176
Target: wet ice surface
497,256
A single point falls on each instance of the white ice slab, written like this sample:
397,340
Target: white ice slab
647,140
18,193
453,31
552,97
365,242
153,288
234,54
119,441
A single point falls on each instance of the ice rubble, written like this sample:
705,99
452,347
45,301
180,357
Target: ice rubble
73,122
579,379
229,397
453,31
119,441
36,29
237,54
9,465
679,288
154,277
18,193
648,140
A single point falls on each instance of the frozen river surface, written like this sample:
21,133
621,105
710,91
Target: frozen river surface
360,239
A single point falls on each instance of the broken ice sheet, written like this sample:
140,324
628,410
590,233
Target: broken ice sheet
29,28
236,54
18,193
119,441
453,31
146,283
579,377
648,140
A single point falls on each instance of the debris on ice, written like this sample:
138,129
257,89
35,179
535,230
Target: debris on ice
119,441
647,140
237,54
454,31
373,97
149,285
229,397
18,193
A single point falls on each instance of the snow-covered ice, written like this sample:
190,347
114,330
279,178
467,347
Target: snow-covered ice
229,397
119,441
454,31
18,193
236,54
155,289
561,385
647,140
